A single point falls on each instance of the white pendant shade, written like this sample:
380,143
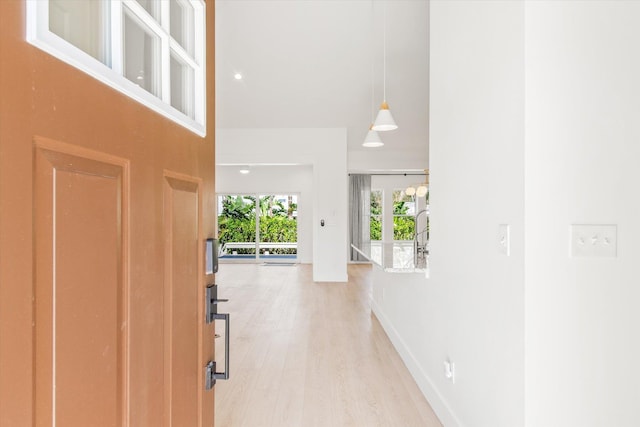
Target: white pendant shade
384,120
421,191
410,191
372,139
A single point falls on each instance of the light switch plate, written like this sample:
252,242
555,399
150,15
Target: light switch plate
594,240
504,240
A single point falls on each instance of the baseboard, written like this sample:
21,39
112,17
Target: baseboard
433,396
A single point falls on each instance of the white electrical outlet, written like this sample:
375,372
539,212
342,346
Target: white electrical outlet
594,240
504,240
450,370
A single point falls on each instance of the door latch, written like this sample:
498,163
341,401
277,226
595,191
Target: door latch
211,303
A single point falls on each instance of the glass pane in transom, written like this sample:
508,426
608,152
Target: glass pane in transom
182,87
182,24
141,55
84,24
152,7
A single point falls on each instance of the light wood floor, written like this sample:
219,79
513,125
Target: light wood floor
310,354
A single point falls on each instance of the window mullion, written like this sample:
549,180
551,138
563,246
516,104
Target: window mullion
165,56
140,12
165,15
179,51
200,34
117,40
200,86
199,95
165,72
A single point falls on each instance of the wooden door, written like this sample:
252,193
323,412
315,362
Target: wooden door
104,209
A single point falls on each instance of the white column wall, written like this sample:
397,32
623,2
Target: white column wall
476,294
326,151
535,123
471,308
582,150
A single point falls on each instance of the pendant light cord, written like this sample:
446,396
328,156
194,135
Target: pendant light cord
373,59
384,51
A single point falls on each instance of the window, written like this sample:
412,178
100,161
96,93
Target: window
258,226
375,222
404,210
150,50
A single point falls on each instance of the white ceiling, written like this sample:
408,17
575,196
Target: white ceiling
308,64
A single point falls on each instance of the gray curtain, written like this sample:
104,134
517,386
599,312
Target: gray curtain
359,214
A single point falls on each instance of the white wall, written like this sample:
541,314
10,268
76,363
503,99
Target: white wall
389,160
477,182
326,151
535,123
276,180
471,309
582,151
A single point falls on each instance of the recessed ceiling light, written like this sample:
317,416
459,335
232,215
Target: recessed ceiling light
244,170
237,76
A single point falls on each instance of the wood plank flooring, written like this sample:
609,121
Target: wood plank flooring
310,354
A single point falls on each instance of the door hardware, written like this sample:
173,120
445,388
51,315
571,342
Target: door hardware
211,315
211,303
210,374
211,256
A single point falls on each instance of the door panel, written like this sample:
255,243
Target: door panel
81,212
183,301
83,278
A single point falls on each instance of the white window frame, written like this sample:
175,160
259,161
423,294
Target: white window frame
39,35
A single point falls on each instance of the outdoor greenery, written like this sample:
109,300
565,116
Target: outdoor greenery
403,227
375,223
403,220
376,228
237,222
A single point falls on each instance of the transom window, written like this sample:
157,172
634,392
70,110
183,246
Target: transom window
151,50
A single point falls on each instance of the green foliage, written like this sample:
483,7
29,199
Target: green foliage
376,202
238,207
376,228
272,229
278,229
237,230
278,209
403,227
293,207
400,208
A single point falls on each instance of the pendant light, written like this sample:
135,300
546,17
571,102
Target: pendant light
419,190
372,140
384,120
